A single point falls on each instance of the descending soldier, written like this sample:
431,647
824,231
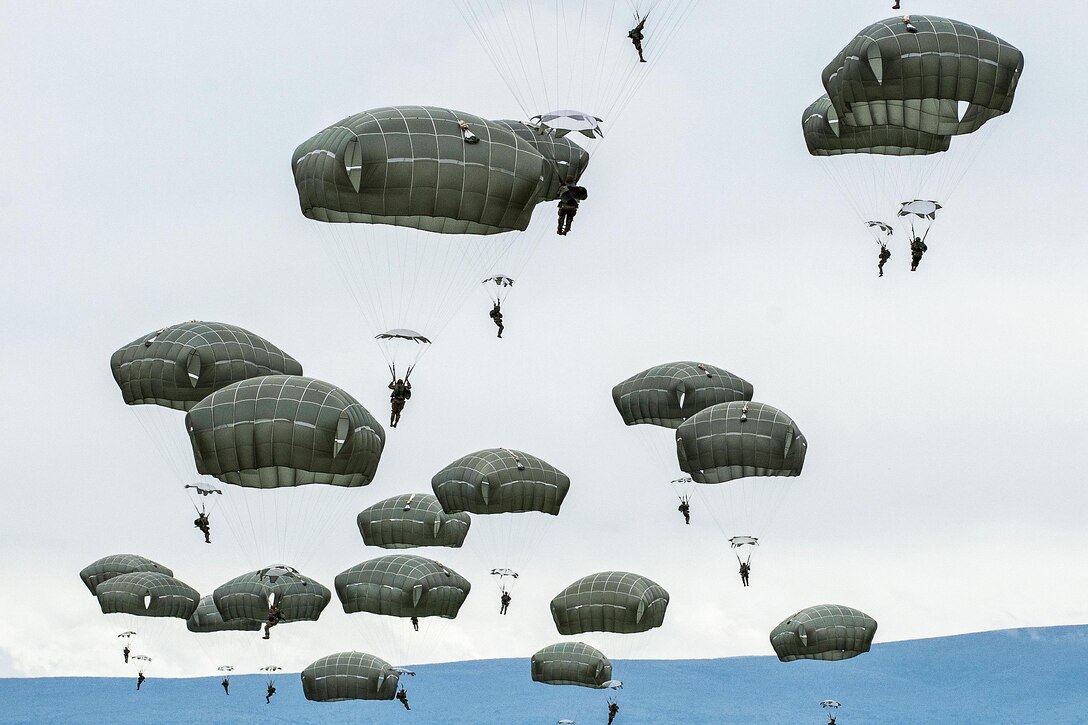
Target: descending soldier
402,695
885,255
402,393
126,652
140,679
917,249
496,317
226,685
275,616
613,710
415,623
504,601
570,195
745,570
269,693
636,36
685,508
204,525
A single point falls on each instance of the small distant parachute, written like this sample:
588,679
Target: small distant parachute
249,596
201,491
147,594
225,668
284,430
141,658
402,585
921,208
880,227
572,663
560,123
113,565
178,366
271,668
668,394
410,520
498,287
349,676
127,635
738,541
404,347
735,440
610,601
206,618
831,703
824,632
500,480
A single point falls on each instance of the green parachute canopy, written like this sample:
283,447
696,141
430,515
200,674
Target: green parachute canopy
571,663
147,594
823,632
734,440
284,430
668,394
249,596
113,565
178,366
610,601
206,618
410,520
349,676
500,480
947,78
826,136
414,166
402,585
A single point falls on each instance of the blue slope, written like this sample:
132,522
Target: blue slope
1010,676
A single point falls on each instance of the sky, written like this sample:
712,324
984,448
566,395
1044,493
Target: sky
148,148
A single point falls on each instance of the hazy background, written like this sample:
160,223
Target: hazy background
147,150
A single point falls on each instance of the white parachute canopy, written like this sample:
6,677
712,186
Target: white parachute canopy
402,349
831,703
560,123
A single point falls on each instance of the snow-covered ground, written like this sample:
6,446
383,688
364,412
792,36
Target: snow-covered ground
1011,676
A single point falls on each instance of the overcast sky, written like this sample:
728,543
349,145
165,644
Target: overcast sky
147,148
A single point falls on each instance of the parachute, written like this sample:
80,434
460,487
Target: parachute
668,394
823,632
178,366
402,585
831,703
115,565
734,440
610,601
349,676
249,596
271,438
948,78
894,100
572,663
414,216
410,520
284,430
147,594
206,619
498,287
500,480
